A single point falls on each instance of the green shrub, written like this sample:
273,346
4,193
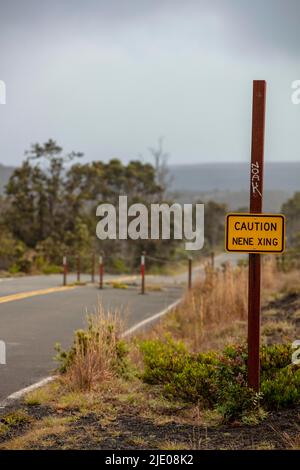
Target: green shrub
52,269
194,383
236,400
275,357
282,390
219,380
183,375
15,418
14,269
119,266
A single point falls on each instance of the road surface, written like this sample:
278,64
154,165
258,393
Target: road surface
31,326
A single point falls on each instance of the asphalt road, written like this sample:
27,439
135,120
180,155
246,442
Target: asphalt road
31,326
14,285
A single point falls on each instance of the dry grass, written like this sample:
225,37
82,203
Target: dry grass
282,328
95,351
213,307
50,426
42,395
274,280
292,442
214,313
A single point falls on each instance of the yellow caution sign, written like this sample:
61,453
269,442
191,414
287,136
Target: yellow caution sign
255,233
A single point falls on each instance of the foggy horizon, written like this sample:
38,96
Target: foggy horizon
107,79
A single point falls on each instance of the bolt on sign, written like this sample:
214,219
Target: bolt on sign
255,233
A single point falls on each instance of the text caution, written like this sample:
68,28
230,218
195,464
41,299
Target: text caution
255,233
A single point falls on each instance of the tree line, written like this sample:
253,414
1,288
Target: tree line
49,206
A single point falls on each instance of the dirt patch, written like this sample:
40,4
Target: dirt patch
129,430
281,318
285,306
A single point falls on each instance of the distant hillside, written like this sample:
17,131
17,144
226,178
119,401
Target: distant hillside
5,172
234,177
222,182
228,183
235,200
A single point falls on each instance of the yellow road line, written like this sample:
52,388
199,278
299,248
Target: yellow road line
34,293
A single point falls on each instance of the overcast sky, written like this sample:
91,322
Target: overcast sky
108,77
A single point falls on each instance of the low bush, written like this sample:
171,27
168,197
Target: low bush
97,354
219,380
282,389
52,269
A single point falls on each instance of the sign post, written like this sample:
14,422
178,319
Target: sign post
255,233
256,206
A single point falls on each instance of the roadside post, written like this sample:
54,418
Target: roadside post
65,270
212,259
101,272
78,268
143,272
256,206
255,233
190,273
93,268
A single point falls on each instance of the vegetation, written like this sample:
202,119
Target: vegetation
189,370
220,379
97,353
49,206
49,209
192,366
291,258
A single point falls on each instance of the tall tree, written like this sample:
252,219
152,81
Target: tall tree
162,173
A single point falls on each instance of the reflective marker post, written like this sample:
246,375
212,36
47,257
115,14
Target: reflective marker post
256,205
93,269
190,273
143,272
65,268
212,258
78,268
100,272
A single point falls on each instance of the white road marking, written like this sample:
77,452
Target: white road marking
151,319
41,383
17,395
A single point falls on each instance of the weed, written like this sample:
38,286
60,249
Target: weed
15,418
97,353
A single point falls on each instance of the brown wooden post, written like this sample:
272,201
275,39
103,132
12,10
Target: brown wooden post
212,258
101,272
93,268
190,273
143,272
256,206
65,270
78,268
